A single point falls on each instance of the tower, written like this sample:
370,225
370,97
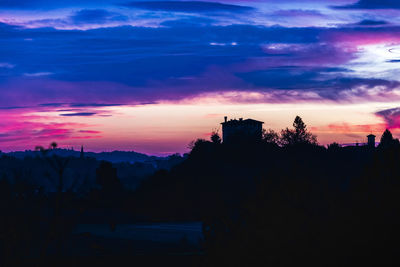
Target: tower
82,153
371,140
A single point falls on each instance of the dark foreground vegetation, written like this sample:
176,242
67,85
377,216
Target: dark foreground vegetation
284,201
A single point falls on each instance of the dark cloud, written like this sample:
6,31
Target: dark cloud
368,22
187,6
134,55
133,65
52,105
316,80
77,105
49,4
12,107
79,114
372,4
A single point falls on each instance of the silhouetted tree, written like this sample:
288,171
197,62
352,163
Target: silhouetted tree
270,136
53,145
59,164
196,143
299,135
333,146
106,177
58,227
387,140
215,138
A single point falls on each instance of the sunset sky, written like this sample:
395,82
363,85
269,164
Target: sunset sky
151,76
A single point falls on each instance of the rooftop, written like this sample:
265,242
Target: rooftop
240,121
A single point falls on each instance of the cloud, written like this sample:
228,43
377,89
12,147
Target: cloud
354,129
90,131
49,4
132,65
78,105
368,22
79,114
391,117
188,6
319,81
38,74
75,105
11,108
298,13
18,128
372,4
6,65
189,22
96,16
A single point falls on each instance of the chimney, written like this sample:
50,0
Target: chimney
226,118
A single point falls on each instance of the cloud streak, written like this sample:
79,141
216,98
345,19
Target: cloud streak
372,4
188,6
79,114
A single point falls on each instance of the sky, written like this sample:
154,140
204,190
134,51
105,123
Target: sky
151,76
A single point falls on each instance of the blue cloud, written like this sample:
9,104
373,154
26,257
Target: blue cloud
368,22
372,4
187,6
189,22
135,55
317,80
138,64
49,4
96,16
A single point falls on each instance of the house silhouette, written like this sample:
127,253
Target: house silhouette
234,131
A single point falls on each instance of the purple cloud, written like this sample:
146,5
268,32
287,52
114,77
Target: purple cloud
188,6
298,13
391,117
79,114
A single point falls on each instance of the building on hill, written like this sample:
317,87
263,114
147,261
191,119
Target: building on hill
369,144
248,130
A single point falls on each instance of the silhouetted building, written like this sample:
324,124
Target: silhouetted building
82,153
371,140
241,130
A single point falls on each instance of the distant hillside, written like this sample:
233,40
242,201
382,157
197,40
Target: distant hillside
29,167
114,156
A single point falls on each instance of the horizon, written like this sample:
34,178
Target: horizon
78,150
151,76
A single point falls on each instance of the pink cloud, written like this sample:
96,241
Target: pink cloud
391,117
19,129
356,37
